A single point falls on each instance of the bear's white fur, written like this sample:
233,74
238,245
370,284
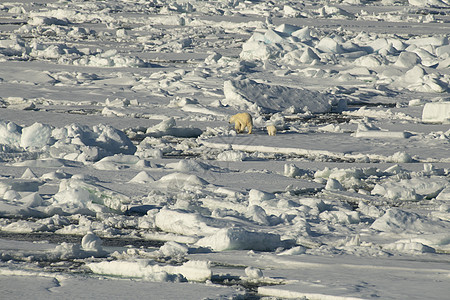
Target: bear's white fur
271,130
241,121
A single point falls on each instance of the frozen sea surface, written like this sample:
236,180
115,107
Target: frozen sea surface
120,175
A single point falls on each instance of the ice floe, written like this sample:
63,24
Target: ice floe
120,175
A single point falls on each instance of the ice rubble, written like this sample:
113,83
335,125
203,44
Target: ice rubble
216,232
411,189
365,57
427,184
73,142
428,3
64,54
48,252
74,196
182,203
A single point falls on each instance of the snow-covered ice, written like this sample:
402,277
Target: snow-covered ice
120,175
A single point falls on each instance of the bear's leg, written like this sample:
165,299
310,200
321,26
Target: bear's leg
237,126
249,128
242,127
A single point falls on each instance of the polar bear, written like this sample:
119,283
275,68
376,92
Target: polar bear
242,120
271,130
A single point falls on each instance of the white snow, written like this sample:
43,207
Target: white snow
399,221
142,178
121,177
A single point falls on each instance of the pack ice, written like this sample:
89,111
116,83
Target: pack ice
120,174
